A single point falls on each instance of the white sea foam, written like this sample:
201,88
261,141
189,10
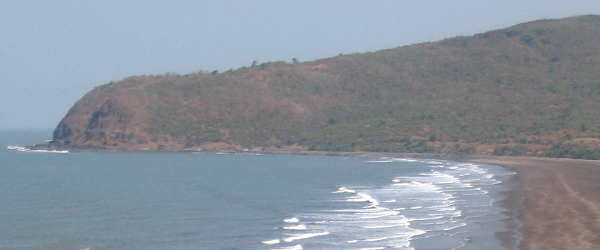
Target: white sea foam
454,214
271,242
297,227
405,160
450,208
388,224
455,226
431,217
304,236
50,151
390,160
381,161
291,220
441,178
296,247
362,197
377,239
441,206
414,233
18,148
381,215
411,205
25,149
344,190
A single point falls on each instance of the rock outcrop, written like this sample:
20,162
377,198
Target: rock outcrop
522,89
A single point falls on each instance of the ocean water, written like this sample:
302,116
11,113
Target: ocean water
111,200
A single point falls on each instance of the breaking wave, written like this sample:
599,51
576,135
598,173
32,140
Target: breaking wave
443,199
25,149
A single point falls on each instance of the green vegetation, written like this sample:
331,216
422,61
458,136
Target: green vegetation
574,150
526,85
518,150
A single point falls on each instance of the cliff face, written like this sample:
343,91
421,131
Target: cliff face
533,84
102,119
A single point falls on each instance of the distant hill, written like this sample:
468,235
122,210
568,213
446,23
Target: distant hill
533,88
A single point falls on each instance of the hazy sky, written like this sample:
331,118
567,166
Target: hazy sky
53,52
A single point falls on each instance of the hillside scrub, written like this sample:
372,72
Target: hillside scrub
526,85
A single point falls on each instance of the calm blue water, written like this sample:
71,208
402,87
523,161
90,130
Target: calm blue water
97,200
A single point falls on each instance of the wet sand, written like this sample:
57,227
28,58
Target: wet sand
556,201
561,205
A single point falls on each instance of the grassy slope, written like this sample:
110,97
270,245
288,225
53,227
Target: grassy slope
536,84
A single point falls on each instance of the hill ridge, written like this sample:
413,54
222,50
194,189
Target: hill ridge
527,89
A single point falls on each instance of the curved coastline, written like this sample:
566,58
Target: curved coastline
561,205
554,203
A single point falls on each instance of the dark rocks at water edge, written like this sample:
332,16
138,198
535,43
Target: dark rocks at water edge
530,89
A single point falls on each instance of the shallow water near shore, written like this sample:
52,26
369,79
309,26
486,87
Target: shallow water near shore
100,200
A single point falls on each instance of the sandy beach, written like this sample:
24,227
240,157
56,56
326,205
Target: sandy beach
558,200
561,205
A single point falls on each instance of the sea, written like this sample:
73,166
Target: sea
224,200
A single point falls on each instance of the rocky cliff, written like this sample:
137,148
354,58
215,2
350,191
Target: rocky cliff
535,84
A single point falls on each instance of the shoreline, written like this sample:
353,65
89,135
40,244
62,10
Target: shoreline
513,203
552,203
561,201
